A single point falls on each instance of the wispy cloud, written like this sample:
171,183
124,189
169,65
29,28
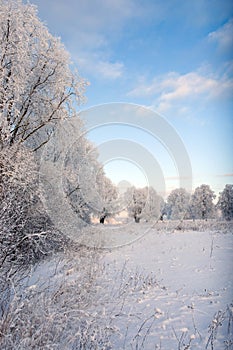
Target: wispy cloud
172,178
174,87
88,29
110,70
225,175
100,69
223,36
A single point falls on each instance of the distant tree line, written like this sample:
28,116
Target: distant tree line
146,203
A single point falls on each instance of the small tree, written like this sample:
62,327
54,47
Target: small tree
225,202
177,204
202,206
108,197
135,199
153,206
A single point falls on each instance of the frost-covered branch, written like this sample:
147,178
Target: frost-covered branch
37,86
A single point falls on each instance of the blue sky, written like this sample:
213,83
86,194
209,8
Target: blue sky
175,57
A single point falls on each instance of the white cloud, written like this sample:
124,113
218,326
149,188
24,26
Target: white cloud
173,88
225,175
99,68
88,31
110,70
223,36
186,85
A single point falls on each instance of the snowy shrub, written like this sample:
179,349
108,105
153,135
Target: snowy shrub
26,233
50,311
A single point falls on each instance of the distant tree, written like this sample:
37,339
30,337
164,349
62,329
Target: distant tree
153,206
202,206
166,211
135,199
108,197
37,86
177,204
225,202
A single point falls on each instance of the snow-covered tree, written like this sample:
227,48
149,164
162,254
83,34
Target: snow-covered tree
202,206
79,178
177,204
107,204
153,206
37,89
89,191
37,86
135,199
225,202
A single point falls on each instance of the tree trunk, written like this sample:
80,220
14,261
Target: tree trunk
102,219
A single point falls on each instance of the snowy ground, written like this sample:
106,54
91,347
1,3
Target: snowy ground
170,289
193,271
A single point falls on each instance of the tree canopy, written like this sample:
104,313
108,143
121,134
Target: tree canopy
38,87
225,202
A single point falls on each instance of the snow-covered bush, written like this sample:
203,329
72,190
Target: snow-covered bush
26,232
51,311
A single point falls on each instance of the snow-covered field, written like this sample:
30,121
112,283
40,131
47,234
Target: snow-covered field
190,302
170,289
